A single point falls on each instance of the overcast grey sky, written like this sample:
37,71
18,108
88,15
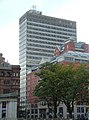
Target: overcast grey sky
12,10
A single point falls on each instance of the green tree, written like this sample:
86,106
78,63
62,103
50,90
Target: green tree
64,83
48,88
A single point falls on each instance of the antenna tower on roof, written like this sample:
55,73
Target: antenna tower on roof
34,7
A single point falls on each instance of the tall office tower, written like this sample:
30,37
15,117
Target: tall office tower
38,36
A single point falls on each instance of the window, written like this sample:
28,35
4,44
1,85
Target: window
32,105
36,105
16,82
6,82
3,104
36,111
8,74
61,110
80,109
32,116
17,74
78,116
32,111
2,74
68,58
6,91
36,116
13,74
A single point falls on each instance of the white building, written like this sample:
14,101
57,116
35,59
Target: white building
43,112
8,106
38,36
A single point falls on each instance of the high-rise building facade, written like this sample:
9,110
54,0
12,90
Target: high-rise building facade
38,36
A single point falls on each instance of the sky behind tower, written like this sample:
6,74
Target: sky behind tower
12,10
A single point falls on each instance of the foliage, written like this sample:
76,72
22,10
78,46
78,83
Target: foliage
48,88
66,83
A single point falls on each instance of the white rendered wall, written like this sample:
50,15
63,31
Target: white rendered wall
11,108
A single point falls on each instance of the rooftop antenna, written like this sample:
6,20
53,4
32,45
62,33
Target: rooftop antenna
33,10
34,7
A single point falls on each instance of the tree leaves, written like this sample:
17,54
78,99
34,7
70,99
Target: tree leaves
66,83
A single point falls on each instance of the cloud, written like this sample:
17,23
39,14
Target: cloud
9,36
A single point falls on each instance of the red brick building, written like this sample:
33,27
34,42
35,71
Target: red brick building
9,79
71,46
32,81
69,52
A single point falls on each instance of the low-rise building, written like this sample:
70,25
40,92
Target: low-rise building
70,52
9,89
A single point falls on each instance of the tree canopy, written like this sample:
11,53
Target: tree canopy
66,83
